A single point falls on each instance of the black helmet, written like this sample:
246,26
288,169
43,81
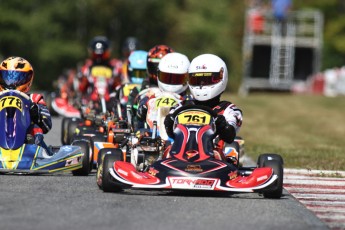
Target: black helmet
99,49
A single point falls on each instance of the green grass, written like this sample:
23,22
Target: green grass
307,131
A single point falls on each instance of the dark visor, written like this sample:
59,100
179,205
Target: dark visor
197,79
138,73
152,67
11,78
172,78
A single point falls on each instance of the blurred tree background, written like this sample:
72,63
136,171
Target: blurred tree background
53,34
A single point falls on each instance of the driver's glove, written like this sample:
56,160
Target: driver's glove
169,124
225,131
34,113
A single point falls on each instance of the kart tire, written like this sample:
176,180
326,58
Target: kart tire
71,127
87,139
275,190
85,148
64,126
108,157
269,156
48,99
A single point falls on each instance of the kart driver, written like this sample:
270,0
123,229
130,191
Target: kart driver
208,77
99,51
154,56
16,73
172,81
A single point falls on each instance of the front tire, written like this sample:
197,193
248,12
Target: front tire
71,128
104,179
269,156
274,161
85,148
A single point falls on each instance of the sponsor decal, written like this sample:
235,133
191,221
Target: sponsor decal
66,148
122,172
173,66
232,175
152,171
192,183
201,67
73,161
192,153
261,178
193,168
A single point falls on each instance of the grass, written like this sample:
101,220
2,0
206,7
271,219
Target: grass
308,131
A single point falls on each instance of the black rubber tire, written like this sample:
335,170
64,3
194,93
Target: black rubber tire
64,126
85,148
71,127
89,140
269,156
49,97
107,159
275,190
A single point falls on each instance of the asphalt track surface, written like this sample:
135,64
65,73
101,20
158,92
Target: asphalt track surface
62,201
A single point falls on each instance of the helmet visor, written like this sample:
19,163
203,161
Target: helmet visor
172,78
203,79
138,73
10,79
152,65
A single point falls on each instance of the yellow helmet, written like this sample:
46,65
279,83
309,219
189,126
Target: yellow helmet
16,73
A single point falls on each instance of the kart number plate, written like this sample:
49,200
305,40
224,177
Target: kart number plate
194,118
101,71
165,101
11,101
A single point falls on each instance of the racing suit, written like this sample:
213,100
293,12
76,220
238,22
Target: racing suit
85,74
153,104
228,121
41,121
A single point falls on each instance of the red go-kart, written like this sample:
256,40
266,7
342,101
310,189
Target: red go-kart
192,163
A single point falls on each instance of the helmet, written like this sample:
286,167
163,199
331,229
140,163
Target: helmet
130,44
16,73
173,73
154,56
208,77
99,49
137,66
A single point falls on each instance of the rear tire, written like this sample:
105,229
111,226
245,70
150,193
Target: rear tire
49,98
85,169
275,190
107,158
64,126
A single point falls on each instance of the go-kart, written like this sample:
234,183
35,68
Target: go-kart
21,156
192,163
106,132
92,130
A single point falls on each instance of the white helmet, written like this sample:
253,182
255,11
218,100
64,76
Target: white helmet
173,73
208,77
